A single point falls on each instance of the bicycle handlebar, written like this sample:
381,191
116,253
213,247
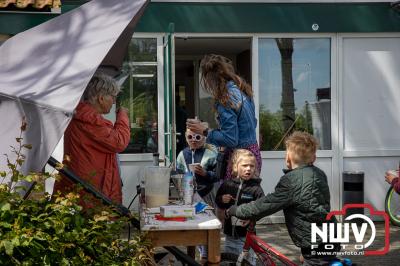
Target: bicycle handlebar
252,226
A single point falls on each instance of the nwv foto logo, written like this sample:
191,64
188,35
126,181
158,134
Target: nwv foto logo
331,233
340,232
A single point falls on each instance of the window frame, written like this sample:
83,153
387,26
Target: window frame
333,152
145,157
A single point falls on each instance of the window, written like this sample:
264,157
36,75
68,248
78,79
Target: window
295,90
139,94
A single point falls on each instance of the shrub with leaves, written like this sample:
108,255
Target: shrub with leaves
55,231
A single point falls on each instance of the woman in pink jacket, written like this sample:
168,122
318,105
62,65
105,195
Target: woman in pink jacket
91,141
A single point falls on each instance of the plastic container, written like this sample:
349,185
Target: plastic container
177,181
192,166
157,185
188,188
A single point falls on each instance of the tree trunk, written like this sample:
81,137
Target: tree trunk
287,104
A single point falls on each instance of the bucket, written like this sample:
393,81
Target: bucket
156,185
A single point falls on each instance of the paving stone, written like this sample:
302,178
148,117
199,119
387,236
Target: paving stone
277,236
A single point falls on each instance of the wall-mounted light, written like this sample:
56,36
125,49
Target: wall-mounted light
315,27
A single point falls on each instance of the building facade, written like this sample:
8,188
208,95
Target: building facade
327,67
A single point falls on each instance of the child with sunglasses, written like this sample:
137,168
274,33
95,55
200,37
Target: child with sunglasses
205,155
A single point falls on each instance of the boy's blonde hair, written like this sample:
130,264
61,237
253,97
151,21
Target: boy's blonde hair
303,147
238,155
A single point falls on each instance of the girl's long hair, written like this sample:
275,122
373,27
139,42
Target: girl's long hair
216,71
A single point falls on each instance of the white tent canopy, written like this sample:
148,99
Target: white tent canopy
44,71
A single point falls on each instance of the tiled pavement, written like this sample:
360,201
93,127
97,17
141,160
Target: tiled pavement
277,236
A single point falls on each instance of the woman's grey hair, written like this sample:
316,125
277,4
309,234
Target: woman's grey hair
100,84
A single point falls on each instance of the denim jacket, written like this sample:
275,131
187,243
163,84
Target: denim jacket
234,131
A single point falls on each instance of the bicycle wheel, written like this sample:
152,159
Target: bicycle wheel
392,206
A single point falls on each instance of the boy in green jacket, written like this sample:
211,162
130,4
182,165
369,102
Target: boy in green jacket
302,193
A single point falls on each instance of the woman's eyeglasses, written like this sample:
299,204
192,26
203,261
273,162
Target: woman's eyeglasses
195,137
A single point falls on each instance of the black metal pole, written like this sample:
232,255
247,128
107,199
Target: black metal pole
29,191
89,187
122,210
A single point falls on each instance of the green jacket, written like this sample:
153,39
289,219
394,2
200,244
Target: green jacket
302,194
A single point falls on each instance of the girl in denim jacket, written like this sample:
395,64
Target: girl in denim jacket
234,106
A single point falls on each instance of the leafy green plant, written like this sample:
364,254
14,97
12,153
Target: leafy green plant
54,230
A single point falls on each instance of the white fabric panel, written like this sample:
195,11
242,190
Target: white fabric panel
45,70
57,58
44,128
371,95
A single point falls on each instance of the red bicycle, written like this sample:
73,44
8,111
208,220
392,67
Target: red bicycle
266,254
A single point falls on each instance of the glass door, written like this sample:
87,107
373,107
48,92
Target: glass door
169,97
139,84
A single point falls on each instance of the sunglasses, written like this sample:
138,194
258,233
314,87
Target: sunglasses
195,137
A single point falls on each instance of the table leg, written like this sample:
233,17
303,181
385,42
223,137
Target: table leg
191,251
214,247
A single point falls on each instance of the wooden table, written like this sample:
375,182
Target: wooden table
203,229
